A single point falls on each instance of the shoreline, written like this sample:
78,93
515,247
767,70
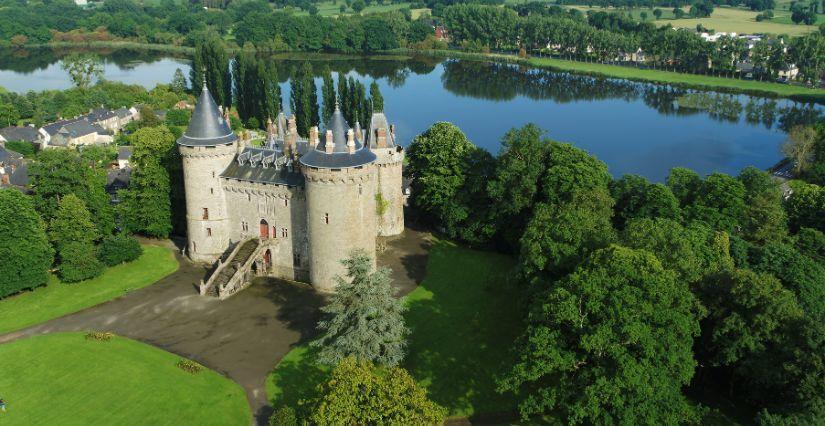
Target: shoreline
696,81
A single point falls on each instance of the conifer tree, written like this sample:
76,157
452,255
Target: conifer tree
343,95
363,320
328,95
212,60
376,98
304,99
270,101
351,114
179,82
24,248
73,234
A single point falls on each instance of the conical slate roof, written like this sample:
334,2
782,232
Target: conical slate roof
340,156
207,127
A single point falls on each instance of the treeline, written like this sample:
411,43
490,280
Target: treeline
695,284
605,37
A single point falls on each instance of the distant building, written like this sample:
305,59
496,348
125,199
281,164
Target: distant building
24,133
788,72
124,154
73,133
441,33
14,172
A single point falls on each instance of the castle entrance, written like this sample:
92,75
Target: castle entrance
267,260
264,229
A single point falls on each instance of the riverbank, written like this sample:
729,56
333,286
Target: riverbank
762,88
168,48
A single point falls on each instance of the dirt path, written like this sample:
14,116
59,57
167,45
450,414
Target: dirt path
242,337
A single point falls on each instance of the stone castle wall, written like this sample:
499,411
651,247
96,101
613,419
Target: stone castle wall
206,229
283,209
341,216
389,163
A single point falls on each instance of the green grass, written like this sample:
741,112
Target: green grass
57,299
64,379
328,8
463,318
693,80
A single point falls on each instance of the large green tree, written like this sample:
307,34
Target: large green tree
764,220
328,95
74,234
60,172
376,98
304,99
363,319
719,202
610,343
211,62
356,394
636,197
24,248
146,206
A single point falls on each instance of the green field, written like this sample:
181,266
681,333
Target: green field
64,379
463,317
329,8
57,299
724,19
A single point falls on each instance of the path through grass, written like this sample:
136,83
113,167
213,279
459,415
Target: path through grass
64,379
464,317
57,299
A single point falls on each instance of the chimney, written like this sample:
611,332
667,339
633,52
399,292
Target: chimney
329,145
381,135
270,128
358,131
291,136
350,141
313,136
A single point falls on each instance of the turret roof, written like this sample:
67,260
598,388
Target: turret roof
207,127
340,156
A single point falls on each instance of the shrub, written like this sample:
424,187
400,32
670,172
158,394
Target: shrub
117,249
283,416
189,366
100,336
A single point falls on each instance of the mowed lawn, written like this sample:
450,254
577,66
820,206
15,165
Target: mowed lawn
463,319
57,299
64,379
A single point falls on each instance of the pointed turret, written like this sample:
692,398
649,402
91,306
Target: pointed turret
207,127
344,152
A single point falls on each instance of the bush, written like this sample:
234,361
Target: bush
24,148
77,263
189,366
283,416
117,249
100,336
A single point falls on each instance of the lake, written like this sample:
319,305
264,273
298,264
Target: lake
634,127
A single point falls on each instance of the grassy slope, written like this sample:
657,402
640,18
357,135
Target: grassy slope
463,317
58,299
65,379
668,77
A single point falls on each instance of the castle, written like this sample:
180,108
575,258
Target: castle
292,208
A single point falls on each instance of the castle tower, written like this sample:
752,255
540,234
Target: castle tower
390,157
207,148
340,182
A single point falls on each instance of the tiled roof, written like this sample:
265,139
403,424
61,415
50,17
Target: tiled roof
28,134
263,165
207,127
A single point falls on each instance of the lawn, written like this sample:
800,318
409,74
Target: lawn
667,77
57,299
463,318
330,8
64,379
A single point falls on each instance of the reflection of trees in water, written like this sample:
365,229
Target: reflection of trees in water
395,71
502,82
31,60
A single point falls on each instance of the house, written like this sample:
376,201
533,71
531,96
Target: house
117,179
21,133
14,172
184,105
72,133
124,154
788,72
441,33
637,56
111,120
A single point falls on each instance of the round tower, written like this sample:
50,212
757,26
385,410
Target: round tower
389,197
207,147
340,181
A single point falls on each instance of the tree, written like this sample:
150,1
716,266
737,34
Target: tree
146,205
24,248
211,63
811,243
57,173
304,99
657,13
355,394
83,69
643,16
179,82
73,235
610,343
8,114
805,206
719,202
328,95
799,273
799,147
117,249
376,98
636,197
363,320
764,219
358,6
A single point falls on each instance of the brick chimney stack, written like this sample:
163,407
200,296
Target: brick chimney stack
350,141
313,136
329,145
381,135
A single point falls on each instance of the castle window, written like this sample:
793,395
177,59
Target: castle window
248,197
205,214
360,189
296,259
284,233
326,218
286,202
213,174
194,247
274,232
208,232
212,191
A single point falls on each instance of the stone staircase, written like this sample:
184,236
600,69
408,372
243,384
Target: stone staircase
232,274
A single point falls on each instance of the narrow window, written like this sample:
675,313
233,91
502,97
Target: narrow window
296,259
194,247
205,214
326,218
286,202
360,189
212,191
284,233
208,232
213,174
274,232
248,197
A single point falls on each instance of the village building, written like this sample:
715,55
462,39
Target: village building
21,133
292,208
13,170
73,133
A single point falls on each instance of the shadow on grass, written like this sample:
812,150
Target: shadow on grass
464,318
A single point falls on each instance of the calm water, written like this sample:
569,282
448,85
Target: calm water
633,127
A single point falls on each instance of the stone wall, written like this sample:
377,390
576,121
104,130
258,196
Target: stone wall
202,166
389,164
341,217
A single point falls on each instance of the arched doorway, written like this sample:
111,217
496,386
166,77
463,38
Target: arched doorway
264,229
